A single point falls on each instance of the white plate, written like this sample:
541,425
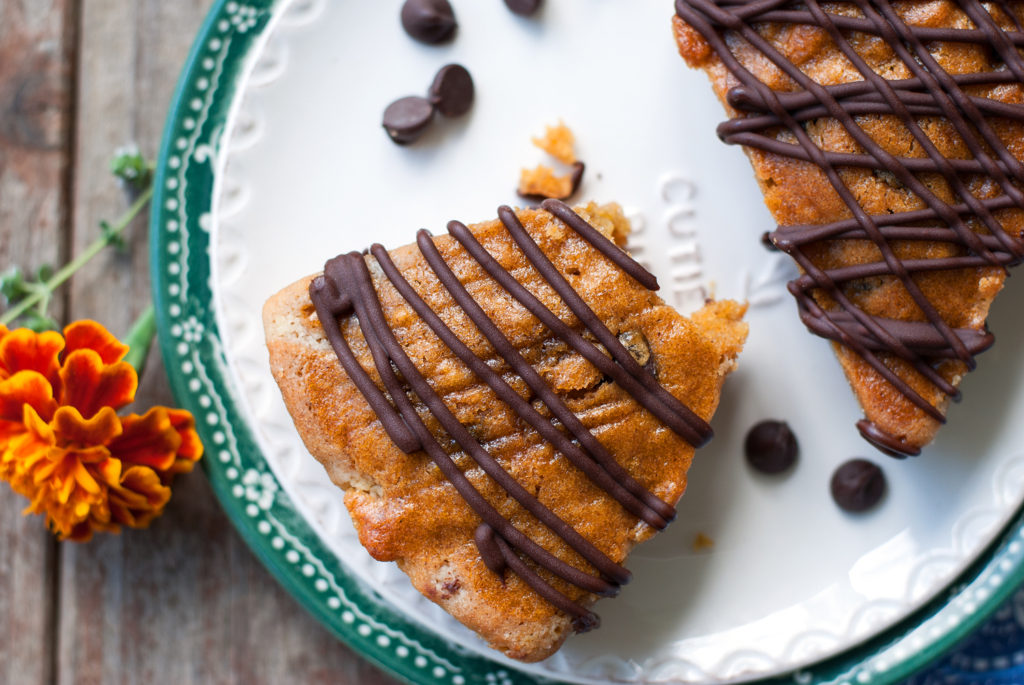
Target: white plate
307,173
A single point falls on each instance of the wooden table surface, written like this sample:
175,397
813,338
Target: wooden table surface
185,601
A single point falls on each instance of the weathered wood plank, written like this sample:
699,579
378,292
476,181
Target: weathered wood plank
36,42
184,602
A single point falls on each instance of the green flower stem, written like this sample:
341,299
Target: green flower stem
71,267
140,339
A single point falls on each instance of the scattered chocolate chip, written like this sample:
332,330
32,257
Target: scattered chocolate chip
771,447
406,119
523,8
428,21
858,485
452,90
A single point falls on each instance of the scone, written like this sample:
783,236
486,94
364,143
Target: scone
886,138
509,409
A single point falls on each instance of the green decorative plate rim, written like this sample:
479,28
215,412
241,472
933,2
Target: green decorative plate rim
257,505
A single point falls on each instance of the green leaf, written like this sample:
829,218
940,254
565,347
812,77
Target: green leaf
131,167
12,285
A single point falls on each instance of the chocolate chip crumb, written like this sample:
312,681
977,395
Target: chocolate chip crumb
452,91
771,447
541,183
406,119
523,8
429,21
858,485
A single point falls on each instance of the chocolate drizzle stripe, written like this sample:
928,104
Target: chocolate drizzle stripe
636,380
583,620
347,289
911,164
822,278
916,335
329,304
381,333
339,268
596,239
845,274
596,462
916,103
930,92
863,26
745,100
599,466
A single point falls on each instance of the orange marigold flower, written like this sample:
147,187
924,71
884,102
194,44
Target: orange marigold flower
62,443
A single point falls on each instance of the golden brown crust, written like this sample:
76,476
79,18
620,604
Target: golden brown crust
402,507
798,192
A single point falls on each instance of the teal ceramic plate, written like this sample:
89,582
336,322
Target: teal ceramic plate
274,160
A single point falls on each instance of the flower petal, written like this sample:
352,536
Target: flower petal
38,426
90,335
85,480
25,350
23,446
140,498
89,384
75,431
148,440
191,449
26,388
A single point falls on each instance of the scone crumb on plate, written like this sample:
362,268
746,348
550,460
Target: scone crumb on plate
702,543
558,141
542,181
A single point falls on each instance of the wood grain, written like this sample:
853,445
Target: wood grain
36,46
186,601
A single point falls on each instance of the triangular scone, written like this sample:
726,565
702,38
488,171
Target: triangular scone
404,508
922,141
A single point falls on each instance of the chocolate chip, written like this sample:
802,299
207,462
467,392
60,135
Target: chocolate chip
452,91
406,119
428,21
523,8
636,344
771,447
858,485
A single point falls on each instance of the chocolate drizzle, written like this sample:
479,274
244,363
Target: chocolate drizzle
930,92
346,289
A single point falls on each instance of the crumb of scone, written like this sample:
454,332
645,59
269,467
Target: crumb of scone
702,543
558,141
542,181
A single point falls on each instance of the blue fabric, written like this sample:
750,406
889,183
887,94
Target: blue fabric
992,655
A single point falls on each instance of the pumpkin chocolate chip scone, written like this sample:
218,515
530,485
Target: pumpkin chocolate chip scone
509,408
886,138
